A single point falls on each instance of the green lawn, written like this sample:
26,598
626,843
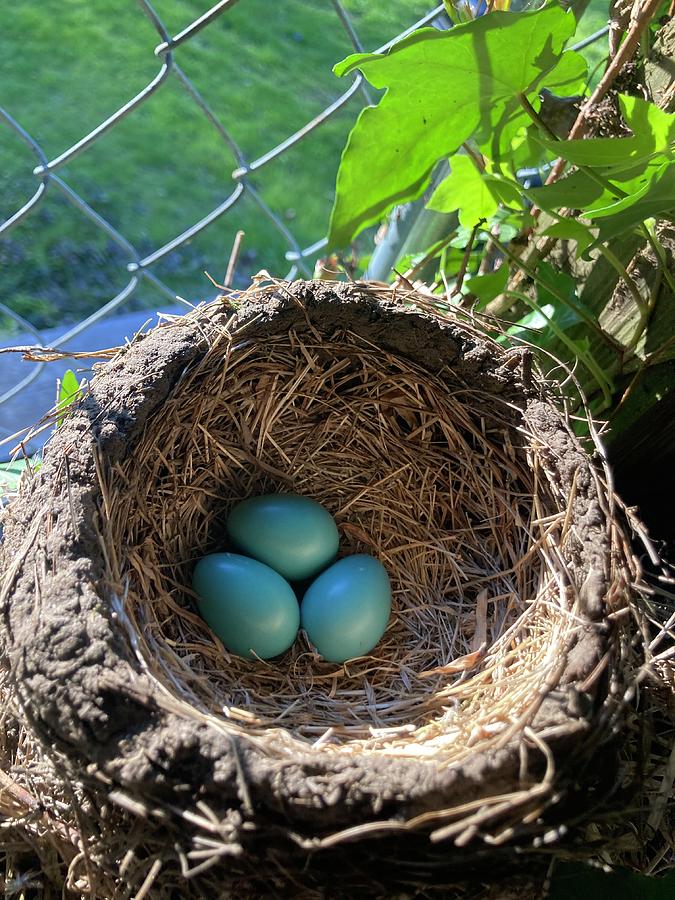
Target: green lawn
265,69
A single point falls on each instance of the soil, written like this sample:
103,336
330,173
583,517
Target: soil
85,693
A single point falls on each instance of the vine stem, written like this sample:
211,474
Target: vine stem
660,253
595,370
461,274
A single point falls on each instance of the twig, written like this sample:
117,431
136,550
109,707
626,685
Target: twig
234,256
619,16
624,54
477,158
437,248
51,354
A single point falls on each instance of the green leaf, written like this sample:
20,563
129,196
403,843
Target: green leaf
487,287
505,191
656,199
504,123
658,184
524,152
644,118
580,191
466,190
653,133
69,387
576,191
68,392
572,230
441,87
601,152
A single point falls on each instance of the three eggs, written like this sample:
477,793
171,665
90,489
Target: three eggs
248,598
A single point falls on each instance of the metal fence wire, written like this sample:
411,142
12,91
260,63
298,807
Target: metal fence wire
140,268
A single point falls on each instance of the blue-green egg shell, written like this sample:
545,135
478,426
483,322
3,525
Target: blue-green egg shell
346,609
251,608
294,535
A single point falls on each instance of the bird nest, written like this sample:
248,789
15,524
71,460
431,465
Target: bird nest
437,451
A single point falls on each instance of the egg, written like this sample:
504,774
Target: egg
346,609
251,608
294,535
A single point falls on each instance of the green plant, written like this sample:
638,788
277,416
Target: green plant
69,391
480,96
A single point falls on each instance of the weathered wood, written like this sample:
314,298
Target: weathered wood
660,68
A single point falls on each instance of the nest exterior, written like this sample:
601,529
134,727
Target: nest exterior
486,718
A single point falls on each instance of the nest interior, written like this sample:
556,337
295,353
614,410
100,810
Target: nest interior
438,452
444,486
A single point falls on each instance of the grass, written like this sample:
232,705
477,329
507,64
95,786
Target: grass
264,68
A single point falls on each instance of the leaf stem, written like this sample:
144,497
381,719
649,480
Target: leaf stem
595,370
660,253
622,271
579,310
536,118
461,274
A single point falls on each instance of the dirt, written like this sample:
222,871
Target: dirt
85,692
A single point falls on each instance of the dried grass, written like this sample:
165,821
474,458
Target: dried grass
441,486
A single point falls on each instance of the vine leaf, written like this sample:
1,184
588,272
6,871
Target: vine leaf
575,191
466,190
579,191
644,117
602,153
69,390
653,135
486,287
441,87
571,230
656,200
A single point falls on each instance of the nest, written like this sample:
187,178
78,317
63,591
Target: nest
503,669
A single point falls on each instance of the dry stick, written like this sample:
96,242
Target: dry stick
619,16
234,256
624,55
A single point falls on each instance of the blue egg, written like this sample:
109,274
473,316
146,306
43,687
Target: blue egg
346,609
251,608
294,535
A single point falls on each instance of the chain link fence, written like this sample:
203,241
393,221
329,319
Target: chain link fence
141,268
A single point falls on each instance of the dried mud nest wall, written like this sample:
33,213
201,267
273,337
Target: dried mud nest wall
484,719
